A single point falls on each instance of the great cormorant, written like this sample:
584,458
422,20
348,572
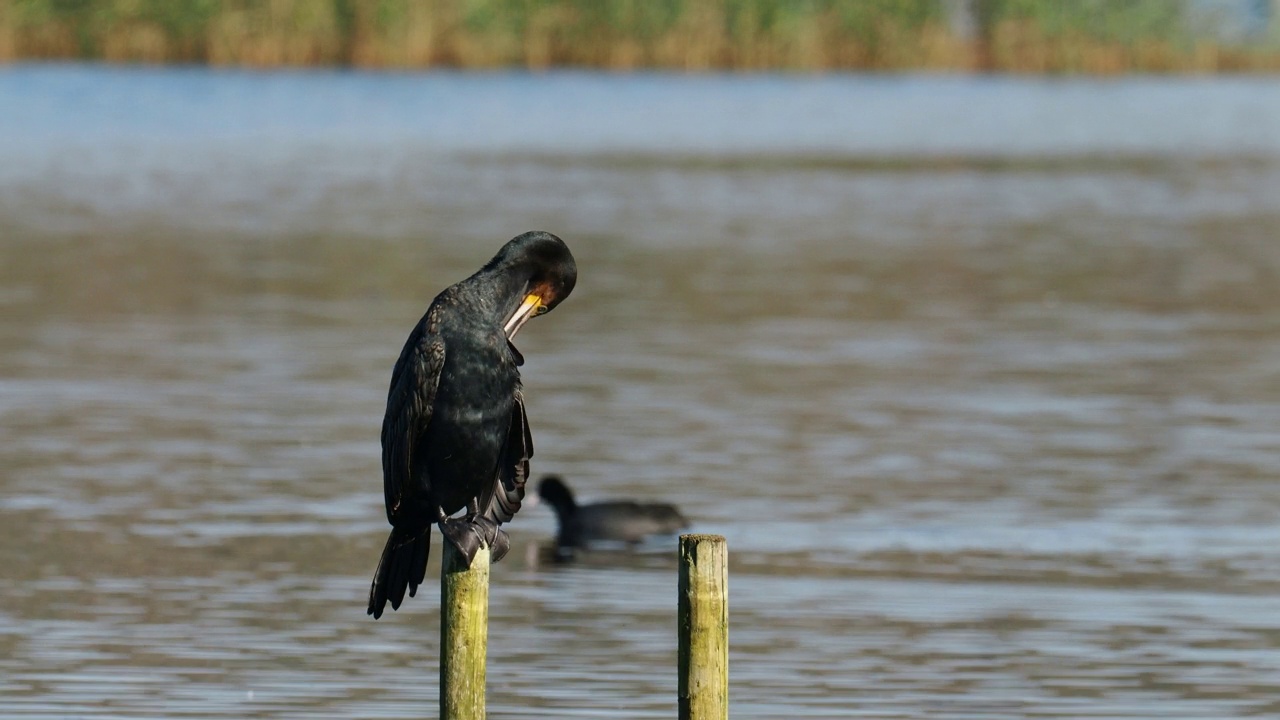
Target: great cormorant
455,433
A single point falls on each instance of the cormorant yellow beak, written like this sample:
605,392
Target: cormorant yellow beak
531,306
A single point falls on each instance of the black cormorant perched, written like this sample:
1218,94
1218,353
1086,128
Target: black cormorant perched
455,434
625,521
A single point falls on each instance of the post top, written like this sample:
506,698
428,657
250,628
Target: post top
701,538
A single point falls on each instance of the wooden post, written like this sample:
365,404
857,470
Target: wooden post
703,618
464,633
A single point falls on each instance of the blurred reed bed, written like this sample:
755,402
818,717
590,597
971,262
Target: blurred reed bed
1034,36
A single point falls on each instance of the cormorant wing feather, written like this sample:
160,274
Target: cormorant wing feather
503,498
409,403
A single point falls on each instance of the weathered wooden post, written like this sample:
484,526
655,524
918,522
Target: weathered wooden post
464,633
703,618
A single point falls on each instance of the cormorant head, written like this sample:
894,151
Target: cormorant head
545,264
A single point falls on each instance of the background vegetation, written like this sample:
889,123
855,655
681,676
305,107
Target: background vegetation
1094,36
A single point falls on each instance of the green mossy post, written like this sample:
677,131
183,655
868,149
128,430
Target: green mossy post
703,618
464,634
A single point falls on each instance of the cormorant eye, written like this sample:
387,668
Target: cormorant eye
542,310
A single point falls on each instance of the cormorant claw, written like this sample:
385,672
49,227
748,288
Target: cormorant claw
470,534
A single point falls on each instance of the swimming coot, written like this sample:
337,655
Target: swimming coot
625,521
455,433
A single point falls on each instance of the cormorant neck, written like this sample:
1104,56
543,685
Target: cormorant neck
499,290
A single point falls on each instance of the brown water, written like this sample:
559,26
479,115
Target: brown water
987,407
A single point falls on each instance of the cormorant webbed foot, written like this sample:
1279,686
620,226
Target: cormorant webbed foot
495,537
469,535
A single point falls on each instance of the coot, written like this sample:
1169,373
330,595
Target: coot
626,521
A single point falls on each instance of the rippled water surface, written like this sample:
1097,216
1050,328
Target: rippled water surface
980,378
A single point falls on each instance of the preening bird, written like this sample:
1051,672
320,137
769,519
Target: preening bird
455,433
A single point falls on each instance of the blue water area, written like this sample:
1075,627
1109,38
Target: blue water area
581,112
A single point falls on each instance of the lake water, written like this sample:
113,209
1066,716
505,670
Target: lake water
979,377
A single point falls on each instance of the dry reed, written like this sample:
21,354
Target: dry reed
1021,36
